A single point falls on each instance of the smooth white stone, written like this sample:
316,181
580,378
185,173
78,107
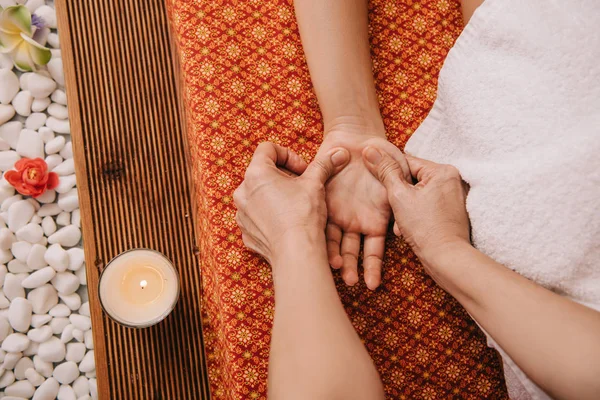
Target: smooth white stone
6,191
85,309
34,203
57,258
48,225
93,388
81,322
87,364
78,335
52,350
63,219
11,359
65,282
66,183
66,373
40,335
45,368
31,233
82,275
3,273
55,67
54,41
5,328
19,314
75,352
4,303
22,365
40,86
40,105
19,214
60,97
58,111
67,167
34,377
47,390
7,238
7,111
12,287
76,218
86,397
36,219
39,278
30,144
31,350
33,5
69,201
68,236
55,145
67,334
60,310
66,393
36,120
15,343
18,267
43,298
8,159
67,151
5,256
58,324
56,53
48,14
9,86
21,250
47,197
81,387
73,301
24,80
49,210
4,146
22,389
47,134
37,321
9,202
58,125
8,378
88,338
22,103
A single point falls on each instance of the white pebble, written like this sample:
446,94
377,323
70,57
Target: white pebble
4,146
30,144
87,364
40,105
22,389
65,283
47,197
8,159
57,258
93,388
67,151
66,393
12,287
58,111
66,183
36,120
7,238
31,350
22,103
6,191
5,256
76,218
67,334
58,324
4,303
81,387
60,310
45,368
82,275
48,225
5,60
39,278
19,214
52,350
53,40
80,322
33,5
19,314
8,378
69,201
35,259
43,298
3,274
9,86
21,250
36,219
5,328
49,210
48,14
47,390
11,359
31,233
68,236
89,339
58,125
7,111
59,97
37,321
67,167
73,301
34,377
63,219
15,342
78,335
22,365
66,373
9,202
85,309
55,145
55,67
18,267
40,86
40,335
75,352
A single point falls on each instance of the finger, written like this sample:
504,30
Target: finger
419,168
282,157
334,239
350,249
325,166
397,229
374,247
384,168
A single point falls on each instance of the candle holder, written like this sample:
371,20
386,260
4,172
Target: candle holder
139,288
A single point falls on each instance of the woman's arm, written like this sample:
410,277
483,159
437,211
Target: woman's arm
555,341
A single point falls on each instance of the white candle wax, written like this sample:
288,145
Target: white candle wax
139,288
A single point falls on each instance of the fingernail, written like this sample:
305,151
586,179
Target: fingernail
373,155
339,158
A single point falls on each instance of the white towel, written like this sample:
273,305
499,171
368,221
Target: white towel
518,113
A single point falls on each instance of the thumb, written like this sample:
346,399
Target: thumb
383,167
325,166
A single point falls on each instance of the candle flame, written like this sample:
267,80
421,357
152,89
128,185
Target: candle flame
143,283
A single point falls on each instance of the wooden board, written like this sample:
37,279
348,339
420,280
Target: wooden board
134,186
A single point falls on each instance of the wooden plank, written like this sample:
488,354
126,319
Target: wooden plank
134,186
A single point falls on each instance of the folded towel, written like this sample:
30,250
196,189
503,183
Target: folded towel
518,113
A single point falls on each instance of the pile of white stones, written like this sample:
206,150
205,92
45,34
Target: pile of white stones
46,342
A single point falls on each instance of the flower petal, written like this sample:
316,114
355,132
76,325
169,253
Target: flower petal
16,19
52,180
9,41
39,54
22,58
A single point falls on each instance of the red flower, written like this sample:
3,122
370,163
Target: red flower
31,177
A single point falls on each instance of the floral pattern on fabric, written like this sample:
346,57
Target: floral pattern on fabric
246,81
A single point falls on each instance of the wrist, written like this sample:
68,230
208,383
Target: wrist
438,257
371,125
299,242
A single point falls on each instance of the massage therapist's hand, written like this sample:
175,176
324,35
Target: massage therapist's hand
431,214
282,196
357,205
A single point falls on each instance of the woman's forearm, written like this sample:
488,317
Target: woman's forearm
555,341
315,351
336,43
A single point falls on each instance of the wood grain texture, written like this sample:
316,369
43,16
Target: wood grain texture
134,186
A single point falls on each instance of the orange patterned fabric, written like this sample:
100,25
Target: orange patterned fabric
246,81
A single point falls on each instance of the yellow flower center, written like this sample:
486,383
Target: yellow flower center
33,174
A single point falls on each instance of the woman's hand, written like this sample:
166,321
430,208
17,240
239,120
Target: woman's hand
357,205
274,202
429,215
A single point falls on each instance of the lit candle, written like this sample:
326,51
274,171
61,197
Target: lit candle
139,288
